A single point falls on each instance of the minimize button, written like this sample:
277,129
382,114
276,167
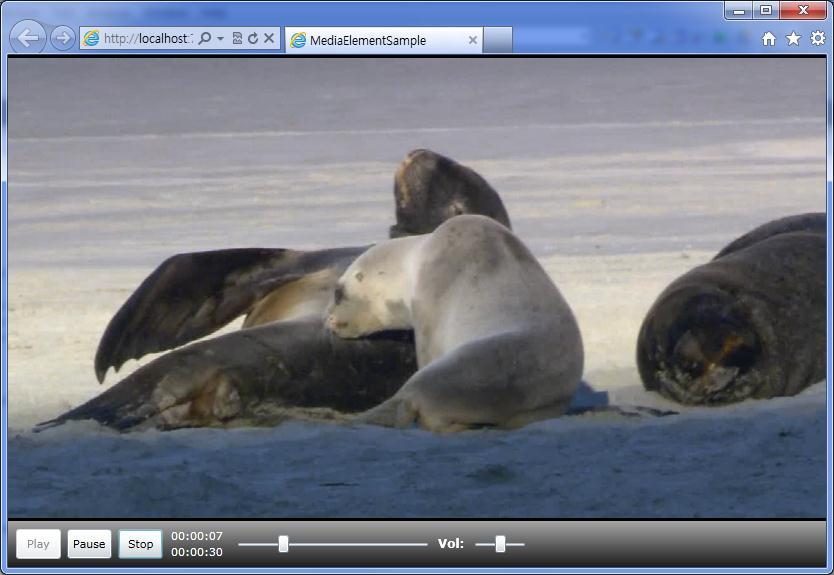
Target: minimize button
738,10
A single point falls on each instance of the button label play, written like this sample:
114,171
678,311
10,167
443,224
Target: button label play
38,544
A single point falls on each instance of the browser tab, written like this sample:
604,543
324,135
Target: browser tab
384,40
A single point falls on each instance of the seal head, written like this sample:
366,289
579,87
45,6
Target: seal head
430,188
702,350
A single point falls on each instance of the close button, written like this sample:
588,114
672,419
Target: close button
802,10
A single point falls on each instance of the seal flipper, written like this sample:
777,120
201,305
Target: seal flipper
393,412
621,410
175,390
192,295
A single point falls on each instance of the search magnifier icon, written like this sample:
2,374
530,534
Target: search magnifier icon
204,37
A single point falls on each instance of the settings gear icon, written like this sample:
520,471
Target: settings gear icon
817,37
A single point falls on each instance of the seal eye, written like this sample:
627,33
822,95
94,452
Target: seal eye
339,295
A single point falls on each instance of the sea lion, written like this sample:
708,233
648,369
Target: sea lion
751,323
430,188
288,361
497,344
250,377
193,295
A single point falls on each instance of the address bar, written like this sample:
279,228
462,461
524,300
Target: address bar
210,38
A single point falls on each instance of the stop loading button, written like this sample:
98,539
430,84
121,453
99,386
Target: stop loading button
140,544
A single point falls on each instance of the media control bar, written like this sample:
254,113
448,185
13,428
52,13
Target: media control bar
427,543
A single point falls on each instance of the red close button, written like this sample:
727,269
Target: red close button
802,10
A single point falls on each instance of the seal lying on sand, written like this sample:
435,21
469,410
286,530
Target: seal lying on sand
750,323
496,342
283,363
251,377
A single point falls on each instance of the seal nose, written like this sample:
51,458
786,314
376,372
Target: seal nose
334,325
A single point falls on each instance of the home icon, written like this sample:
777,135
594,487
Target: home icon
768,39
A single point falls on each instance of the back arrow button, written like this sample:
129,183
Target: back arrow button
27,36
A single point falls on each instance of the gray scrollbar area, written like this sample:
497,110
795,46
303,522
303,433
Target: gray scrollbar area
425,543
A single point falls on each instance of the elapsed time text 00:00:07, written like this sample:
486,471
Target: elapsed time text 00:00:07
196,535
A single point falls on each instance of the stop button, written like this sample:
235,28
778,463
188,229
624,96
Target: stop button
140,544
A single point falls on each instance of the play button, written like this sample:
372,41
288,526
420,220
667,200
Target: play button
27,36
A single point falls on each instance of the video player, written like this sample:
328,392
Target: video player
416,286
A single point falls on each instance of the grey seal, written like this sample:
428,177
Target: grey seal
497,344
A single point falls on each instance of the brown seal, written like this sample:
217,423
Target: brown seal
430,188
751,323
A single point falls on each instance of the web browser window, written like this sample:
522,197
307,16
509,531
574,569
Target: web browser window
399,287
